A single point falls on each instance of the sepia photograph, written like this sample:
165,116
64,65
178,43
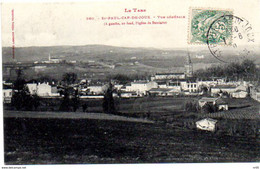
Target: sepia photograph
131,82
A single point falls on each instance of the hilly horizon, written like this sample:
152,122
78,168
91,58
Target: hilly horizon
100,61
83,53
113,54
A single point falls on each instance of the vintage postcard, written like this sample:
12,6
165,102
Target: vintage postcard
131,82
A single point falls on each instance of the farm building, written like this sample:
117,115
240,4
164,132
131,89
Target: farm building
7,95
221,104
223,88
141,87
169,84
239,94
42,89
97,89
255,93
32,87
207,124
241,87
211,100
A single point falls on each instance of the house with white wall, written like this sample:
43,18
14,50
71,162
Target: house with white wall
239,94
7,95
221,105
255,93
42,89
223,88
141,87
168,76
190,86
96,89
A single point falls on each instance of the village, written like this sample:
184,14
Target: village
159,84
172,92
135,82
65,94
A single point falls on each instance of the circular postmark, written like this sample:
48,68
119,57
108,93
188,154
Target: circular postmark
230,39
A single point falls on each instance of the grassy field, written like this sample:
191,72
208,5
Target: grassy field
74,141
153,104
242,113
172,138
160,107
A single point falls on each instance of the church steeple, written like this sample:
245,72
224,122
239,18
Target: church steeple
188,66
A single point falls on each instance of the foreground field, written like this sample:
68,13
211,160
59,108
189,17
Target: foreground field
71,115
73,141
80,137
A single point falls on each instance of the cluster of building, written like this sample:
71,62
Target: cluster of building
40,89
43,89
160,84
170,84
54,60
185,86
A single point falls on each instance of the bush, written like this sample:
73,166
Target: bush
209,108
191,106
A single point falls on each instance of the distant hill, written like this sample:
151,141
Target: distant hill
105,53
95,52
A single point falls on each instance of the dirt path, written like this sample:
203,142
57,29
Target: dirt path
72,115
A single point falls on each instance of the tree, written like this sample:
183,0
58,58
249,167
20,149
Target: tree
17,100
21,97
36,101
249,68
69,78
234,71
191,106
84,107
65,103
71,96
108,102
75,101
209,108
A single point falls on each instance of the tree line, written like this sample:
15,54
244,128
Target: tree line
246,70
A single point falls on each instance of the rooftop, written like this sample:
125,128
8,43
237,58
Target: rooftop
224,86
169,74
208,119
140,82
240,91
159,90
208,99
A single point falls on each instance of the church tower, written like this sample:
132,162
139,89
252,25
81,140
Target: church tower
188,67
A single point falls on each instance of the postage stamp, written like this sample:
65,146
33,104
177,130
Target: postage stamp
202,19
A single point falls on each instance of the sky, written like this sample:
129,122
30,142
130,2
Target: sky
65,23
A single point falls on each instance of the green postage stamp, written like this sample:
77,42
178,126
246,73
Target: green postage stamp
217,22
